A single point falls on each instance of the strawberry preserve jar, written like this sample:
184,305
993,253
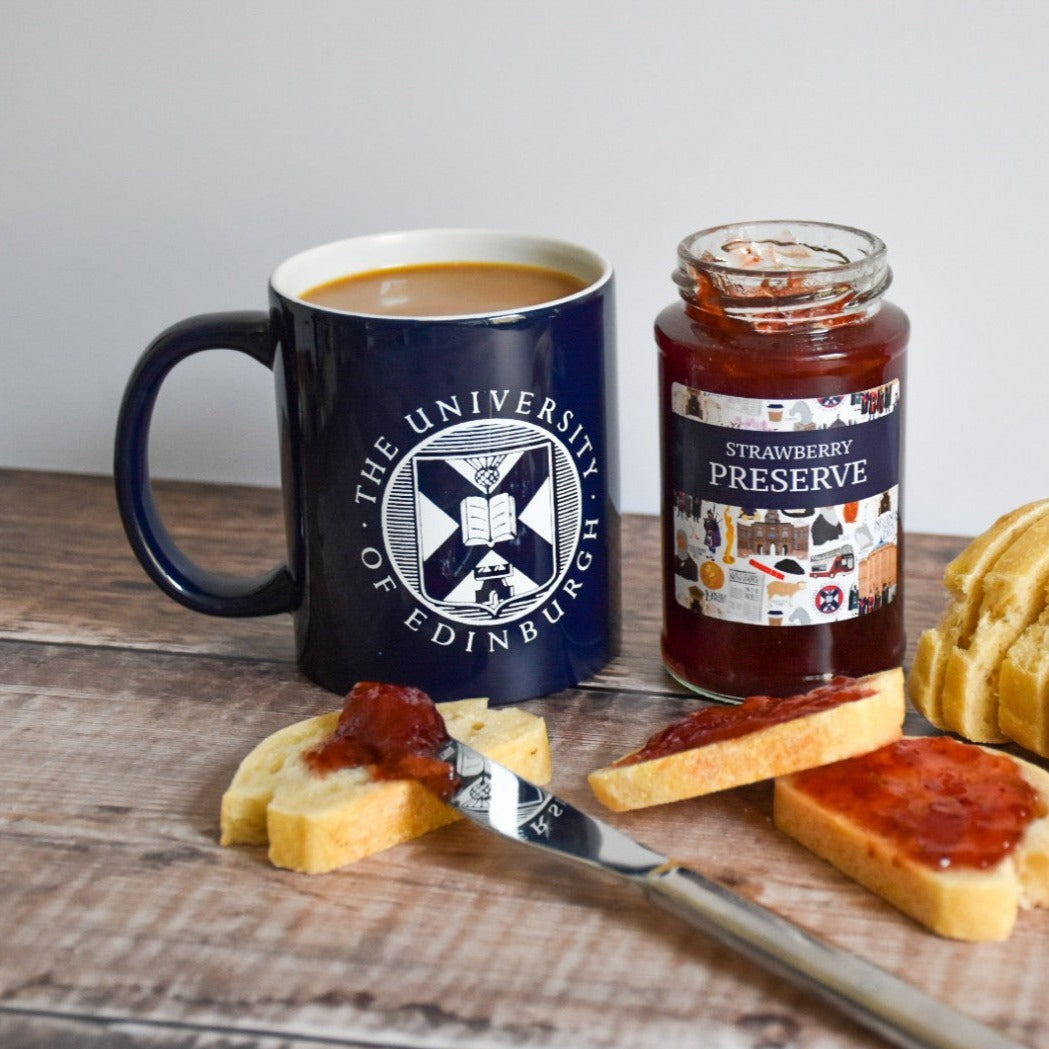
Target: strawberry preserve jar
781,396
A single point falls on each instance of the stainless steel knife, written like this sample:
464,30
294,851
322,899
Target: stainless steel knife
497,799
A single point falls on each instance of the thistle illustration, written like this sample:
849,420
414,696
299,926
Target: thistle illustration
486,470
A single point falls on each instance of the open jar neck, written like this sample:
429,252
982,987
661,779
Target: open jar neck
782,276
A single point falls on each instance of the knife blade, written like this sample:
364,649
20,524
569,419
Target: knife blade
499,800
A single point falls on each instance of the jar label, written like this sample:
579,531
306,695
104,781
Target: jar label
785,510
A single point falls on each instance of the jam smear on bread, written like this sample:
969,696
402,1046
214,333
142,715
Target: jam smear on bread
939,802
714,724
395,730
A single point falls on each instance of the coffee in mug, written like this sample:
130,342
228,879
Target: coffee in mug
445,289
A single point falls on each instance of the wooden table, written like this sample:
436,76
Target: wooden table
123,716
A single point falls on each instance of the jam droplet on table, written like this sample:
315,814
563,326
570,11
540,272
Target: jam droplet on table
714,724
939,802
395,730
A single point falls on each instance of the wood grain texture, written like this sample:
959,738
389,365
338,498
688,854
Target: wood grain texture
123,716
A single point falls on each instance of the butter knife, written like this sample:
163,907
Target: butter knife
499,800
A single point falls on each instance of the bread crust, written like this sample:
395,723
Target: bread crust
996,587
1013,598
1023,689
803,742
963,904
317,823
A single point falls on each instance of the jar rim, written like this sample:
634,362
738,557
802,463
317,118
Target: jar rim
778,275
762,230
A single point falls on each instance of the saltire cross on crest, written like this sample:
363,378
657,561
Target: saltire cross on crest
486,526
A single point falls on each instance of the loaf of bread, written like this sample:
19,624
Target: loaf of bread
997,591
953,834
759,739
316,823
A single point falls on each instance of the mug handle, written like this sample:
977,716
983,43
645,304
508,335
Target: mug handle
213,593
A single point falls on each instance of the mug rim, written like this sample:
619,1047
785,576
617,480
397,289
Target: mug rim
289,279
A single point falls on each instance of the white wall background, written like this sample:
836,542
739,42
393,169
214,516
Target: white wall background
160,158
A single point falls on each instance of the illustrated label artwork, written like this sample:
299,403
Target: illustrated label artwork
785,511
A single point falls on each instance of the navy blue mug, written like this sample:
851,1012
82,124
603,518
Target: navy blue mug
449,483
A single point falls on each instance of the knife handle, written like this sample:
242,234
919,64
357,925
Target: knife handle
879,1001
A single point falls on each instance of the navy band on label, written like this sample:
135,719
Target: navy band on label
789,470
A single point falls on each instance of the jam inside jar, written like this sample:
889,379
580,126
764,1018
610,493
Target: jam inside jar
782,373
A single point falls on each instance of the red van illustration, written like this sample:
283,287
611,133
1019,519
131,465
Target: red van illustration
831,563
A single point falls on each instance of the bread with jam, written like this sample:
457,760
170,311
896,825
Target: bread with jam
315,822
951,833
718,747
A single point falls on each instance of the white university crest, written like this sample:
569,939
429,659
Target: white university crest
482,519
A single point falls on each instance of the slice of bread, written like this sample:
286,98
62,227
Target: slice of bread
961,901
1013,598
315,823
1023,688
801,741
963,579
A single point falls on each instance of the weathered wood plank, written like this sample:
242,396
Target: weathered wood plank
78,581
48,1031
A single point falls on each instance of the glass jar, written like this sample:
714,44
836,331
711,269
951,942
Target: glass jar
781,410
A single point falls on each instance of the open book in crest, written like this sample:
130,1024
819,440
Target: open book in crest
485,521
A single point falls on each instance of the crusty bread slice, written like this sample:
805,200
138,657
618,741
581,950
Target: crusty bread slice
316,823
1013,596
1023,688
964,582
811,739
965,903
